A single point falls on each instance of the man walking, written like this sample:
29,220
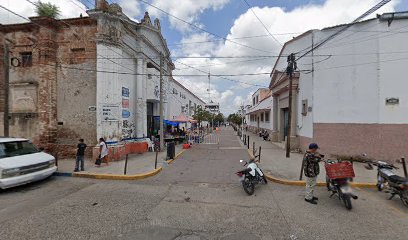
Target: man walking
80,155
311,170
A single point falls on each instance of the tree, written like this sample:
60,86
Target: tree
235,119
47,10
219,118
201,115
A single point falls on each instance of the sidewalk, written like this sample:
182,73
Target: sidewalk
137,164
274,161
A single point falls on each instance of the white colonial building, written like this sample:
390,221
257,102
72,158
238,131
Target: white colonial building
349,96
181,101
129,104
259,114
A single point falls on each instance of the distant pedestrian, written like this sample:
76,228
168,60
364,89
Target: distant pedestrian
311,170
103,151
80,155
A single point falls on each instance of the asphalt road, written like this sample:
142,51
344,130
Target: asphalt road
197,197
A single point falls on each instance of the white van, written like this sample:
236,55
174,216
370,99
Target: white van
21,162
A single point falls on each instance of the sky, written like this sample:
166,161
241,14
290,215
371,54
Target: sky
219,20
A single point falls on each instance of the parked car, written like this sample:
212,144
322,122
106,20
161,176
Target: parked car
22,162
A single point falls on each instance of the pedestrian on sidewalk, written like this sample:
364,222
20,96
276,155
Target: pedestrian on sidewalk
80,155
103,151
311,169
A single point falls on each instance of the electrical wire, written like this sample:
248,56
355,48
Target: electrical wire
165,75
270,34
222,76
200,28
371,10
36,5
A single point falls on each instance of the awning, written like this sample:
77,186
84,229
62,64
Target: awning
172,123
181,119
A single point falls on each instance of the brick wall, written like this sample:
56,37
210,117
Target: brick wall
47,92
379,141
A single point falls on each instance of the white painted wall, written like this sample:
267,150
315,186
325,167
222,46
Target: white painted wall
109,92
304,123
175,101
393,80
346,91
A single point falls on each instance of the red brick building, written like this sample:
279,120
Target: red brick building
50,92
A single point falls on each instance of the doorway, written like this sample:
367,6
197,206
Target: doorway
285,122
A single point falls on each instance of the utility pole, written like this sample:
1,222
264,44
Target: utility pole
6,89
161,103
289,71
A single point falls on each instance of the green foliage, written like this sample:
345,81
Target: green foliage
201,115
219,118
235,119
47,10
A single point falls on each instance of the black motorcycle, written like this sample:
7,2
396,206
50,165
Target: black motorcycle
338,182
251,176
391,182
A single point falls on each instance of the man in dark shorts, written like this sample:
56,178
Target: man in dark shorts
80,155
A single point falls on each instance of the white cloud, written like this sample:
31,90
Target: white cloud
277,20
188,10
238,101
68,9
131,8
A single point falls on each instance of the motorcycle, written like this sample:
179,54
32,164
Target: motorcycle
338,176
389,180
251,176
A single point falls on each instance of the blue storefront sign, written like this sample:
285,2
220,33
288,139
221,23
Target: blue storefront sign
125,92
125,113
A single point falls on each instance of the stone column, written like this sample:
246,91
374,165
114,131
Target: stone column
140,103
47,88
144,101
275,113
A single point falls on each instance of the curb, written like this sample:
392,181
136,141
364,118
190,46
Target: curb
303,183
62,174
170,161
117,177
320,184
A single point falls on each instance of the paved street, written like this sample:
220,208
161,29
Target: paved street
196,197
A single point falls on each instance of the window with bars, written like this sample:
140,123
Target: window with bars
26,59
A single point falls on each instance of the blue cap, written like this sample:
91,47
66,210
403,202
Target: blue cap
313,146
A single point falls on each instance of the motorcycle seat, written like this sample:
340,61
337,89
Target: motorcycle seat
397,179
245,171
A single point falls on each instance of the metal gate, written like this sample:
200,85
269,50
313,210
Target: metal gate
211,138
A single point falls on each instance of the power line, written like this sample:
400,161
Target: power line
147,74
368,38
36,5
371,10
200,28
270,34
222,76
224,63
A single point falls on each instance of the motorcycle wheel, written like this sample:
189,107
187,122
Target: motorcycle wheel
249,187
328,184
347,201
380,185
404,198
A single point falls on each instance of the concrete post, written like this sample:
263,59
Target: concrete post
139,99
